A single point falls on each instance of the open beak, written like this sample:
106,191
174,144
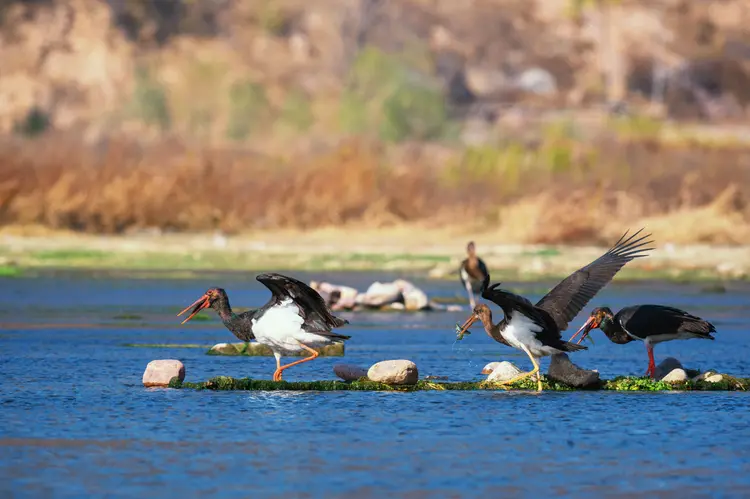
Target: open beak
464,329
199,304
586,328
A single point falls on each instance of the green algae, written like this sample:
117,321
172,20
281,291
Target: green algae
629,384
257,350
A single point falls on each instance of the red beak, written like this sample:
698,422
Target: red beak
586,328
199,304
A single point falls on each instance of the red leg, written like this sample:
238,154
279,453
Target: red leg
651,364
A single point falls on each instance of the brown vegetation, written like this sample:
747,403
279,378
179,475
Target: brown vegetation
601,188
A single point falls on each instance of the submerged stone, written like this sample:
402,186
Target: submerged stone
161,372
226,349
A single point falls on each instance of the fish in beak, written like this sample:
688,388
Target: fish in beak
464,329
199,304
591,323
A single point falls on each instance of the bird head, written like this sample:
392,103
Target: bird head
598,315
480,313
214,298
470,249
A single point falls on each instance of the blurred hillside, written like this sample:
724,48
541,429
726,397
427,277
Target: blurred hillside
553,121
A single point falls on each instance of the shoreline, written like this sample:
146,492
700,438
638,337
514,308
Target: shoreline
435,253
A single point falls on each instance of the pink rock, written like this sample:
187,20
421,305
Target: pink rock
159,372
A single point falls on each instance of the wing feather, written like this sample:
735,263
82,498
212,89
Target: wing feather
312,308
569,297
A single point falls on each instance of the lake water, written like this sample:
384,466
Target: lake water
75,420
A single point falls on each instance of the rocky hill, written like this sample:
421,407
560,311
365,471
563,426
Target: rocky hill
233,70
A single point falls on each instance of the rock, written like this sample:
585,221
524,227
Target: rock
490,367
714,378
537,81
503,371
159,372
563,370
394,372
703,376
483,81
224,349
675,375
666,366
349,372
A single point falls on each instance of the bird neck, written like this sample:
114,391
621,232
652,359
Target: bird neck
614,331
493,330
224,310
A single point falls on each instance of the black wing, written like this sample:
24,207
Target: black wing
312,308
511,302
569,297
651,320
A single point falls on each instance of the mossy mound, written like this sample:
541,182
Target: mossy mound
258,350
618,384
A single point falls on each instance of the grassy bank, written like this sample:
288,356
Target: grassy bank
412,249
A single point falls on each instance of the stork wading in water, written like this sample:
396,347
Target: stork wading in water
651,324
294,319
474,274
536,329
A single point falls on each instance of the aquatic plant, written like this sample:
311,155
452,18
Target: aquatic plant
622,383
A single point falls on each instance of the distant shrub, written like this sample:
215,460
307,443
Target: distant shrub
296,112
149,102
386,95
249,108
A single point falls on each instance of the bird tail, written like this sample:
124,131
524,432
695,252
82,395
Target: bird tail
567,346
699,328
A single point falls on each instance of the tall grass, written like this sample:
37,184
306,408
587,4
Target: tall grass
575,188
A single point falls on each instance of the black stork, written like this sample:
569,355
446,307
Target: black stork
294,319
473,273
535,329
650,324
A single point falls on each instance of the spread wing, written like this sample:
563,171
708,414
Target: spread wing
313,310
512,303
569,297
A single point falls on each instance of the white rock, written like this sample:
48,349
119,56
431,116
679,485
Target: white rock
666,366
503,372
538,81
224,349
490,367
349,372
676,375
703,376
394,372
159,372
714,378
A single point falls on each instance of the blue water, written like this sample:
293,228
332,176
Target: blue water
75,420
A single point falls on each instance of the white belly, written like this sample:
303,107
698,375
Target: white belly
280,328
520,333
